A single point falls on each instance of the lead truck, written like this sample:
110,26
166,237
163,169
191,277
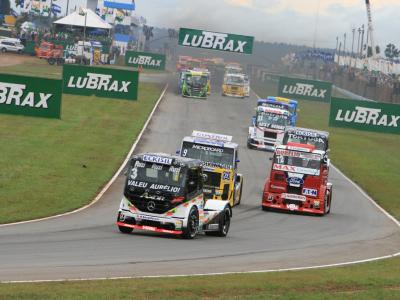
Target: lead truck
164,194
298,180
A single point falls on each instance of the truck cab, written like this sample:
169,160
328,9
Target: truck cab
233,86
306,136
267,128
195,84
219,157
298,180
274,103
164,194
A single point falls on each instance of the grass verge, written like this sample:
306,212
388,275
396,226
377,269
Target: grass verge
376,280
53,166
370,159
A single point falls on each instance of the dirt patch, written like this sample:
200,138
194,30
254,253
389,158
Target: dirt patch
10,59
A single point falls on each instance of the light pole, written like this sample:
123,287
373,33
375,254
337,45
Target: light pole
358,42
66,13
344,45
362,40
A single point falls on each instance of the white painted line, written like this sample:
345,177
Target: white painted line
105,188
209,274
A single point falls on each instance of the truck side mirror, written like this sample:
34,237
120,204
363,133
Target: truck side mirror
253,120
178,152
270,158
126,172
238,160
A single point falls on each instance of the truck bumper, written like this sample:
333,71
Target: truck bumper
279,202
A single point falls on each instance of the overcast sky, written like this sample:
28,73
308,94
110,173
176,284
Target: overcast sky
290,21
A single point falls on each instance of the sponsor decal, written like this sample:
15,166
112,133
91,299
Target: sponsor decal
212,136
310,192
298,154
294,197
292,206
305,133
154,186
30,96
295,181
205,148
157,159
216,40
146,217
317,139
226,176
145,60
365,115
101,82
301,170
304,89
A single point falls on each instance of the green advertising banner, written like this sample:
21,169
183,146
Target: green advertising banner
216,40
304,89
30,96
365,115
145,59
101,82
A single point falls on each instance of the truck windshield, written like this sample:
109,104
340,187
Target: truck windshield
297,162
235,80
210,155
196,79
143,174
319,142
271,120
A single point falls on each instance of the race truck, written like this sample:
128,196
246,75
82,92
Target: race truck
269,102
298,180
267,128
219,157
305,136
233,86
164,194
208,74
195,84
293,105
233,68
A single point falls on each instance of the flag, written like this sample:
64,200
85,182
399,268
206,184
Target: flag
56,8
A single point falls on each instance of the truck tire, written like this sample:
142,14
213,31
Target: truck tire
124,229
224,224
240,193
328,203
190,231
4,50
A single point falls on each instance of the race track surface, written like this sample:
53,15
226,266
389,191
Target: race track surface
88,244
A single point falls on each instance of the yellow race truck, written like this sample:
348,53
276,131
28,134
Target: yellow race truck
234,86
220,159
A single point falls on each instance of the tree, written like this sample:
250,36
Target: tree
5,7
391,51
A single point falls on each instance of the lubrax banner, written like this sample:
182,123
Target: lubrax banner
146,60
101,82
296,88
30,96
216,40
365,115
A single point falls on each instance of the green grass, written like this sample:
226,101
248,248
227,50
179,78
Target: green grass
375,280
370,159
54,166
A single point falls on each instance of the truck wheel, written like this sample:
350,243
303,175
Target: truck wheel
193,224
4,50
124,229
328,202
223,225
240,195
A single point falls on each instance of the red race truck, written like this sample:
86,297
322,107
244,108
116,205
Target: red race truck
298,180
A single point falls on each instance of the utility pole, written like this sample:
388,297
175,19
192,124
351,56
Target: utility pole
362,40
337,44
352,43
344,45
358,42
66,13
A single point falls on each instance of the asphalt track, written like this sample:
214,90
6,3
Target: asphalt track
87,244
